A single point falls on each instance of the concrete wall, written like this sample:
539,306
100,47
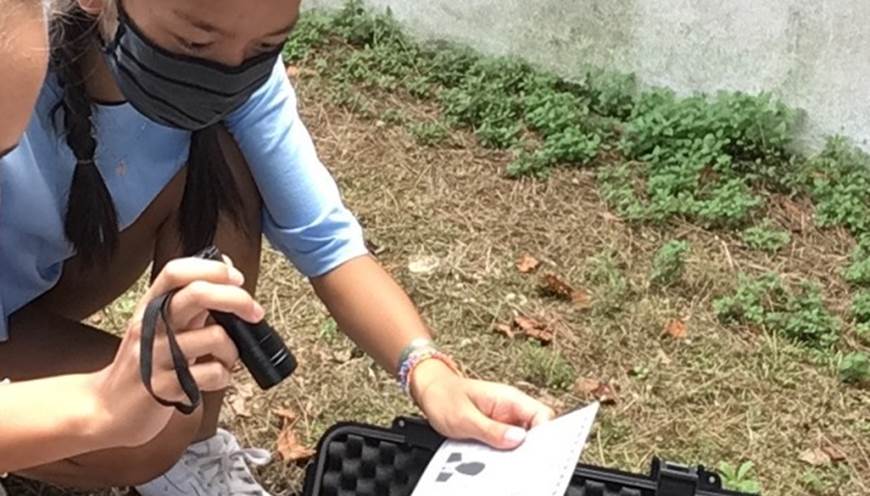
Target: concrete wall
814,54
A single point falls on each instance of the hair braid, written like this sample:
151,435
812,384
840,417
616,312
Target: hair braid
91,223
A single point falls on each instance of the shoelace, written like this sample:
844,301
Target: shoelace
223,468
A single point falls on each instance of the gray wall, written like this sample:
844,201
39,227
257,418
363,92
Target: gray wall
814,54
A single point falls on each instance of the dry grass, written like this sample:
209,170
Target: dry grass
719,395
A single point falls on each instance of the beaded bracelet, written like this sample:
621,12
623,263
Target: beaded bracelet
415,358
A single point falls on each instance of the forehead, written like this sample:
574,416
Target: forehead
239,17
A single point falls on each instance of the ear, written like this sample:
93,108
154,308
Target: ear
93,7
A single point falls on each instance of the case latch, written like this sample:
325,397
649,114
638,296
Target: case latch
673,479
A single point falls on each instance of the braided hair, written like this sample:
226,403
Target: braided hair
91,222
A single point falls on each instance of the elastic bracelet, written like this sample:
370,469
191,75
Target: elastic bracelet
406,371
417,344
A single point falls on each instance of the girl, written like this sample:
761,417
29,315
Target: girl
105,408
164,126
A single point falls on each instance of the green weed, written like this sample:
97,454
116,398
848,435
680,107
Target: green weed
739,478
765,302
765,237
838,180
544,367
861,307
858,271
669,263
855,368
430,133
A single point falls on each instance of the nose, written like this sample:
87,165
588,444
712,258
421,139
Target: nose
234,55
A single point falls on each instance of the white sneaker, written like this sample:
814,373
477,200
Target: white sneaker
217,466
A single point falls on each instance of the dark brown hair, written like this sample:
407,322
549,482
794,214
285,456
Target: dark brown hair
91,223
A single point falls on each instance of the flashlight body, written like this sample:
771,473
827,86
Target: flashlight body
261,349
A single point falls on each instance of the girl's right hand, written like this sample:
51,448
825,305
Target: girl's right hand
126,414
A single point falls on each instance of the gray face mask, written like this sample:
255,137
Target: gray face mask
177,90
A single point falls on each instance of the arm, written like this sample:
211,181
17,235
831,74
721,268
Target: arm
371,309
46,420
34,431
304,218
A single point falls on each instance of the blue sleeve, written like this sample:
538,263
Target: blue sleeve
303,214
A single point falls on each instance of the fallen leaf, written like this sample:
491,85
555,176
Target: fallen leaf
289,447
586,386
605,394
834,453
423,265
552,285
96,319
239,399
504,330
535,329
676,329
581,298
292,71
286,414
601,391
527,264
815,457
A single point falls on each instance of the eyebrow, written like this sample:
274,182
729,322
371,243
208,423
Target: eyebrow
285,30
197,23
211,28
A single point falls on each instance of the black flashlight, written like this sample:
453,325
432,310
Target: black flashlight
261,348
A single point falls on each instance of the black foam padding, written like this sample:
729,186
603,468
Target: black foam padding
365,466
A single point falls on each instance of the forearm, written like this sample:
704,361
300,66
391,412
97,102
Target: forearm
372,309
46,420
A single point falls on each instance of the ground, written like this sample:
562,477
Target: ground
718,394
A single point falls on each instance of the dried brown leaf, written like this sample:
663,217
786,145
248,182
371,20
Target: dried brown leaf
554,286
815,457
504,330
527,264
535,329
581,298
289,447
606,394
676,329
835,453
586,386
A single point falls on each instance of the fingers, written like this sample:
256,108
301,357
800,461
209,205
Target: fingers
198,296
496,434
209,341
508,404
211,376
181,272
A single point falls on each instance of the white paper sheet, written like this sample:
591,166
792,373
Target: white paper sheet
541,466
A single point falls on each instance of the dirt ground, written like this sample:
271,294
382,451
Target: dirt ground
714,395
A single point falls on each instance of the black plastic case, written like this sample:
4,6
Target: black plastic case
362,460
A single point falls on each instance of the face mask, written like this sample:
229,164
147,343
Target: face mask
176,90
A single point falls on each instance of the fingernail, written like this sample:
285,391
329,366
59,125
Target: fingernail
236,277
515,435
259,312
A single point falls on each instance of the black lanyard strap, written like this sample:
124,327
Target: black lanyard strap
159,308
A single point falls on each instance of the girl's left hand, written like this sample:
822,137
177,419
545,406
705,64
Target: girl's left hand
459,408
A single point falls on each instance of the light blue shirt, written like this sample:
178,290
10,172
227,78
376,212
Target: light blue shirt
303,214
